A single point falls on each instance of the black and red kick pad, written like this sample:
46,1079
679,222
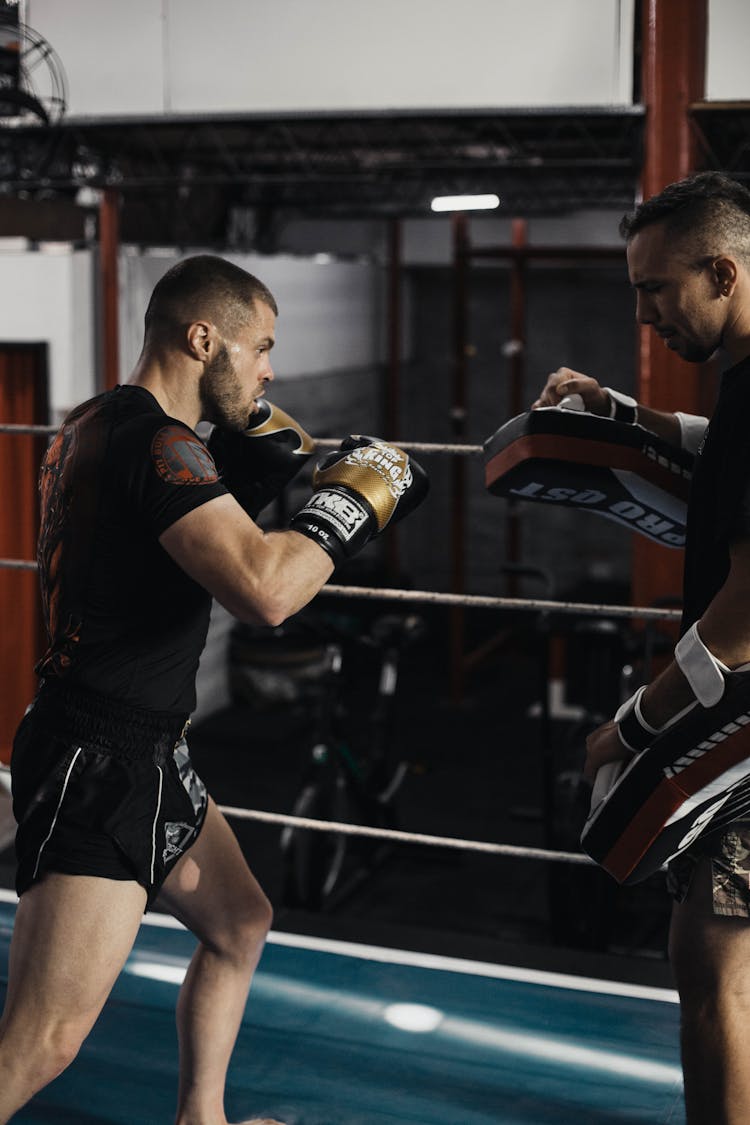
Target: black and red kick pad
694,778
579,460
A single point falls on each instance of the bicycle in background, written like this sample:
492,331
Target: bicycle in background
349,781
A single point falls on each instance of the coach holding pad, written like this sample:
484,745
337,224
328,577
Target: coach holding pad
688,252
139,529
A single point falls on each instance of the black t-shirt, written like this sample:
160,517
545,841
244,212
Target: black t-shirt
123,619
719,508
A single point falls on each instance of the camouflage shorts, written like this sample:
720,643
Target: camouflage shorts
729,853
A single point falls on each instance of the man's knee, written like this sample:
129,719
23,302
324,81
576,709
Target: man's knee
38,1060
244,930
254,921
62,1049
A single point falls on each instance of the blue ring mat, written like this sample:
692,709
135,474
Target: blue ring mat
323,1042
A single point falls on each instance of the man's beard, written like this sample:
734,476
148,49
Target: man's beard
221,393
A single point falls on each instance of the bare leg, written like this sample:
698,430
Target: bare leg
710,955
214,893
71,937
7,820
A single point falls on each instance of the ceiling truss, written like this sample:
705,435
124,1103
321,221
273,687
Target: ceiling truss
183,176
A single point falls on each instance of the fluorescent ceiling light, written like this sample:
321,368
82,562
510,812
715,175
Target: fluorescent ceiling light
465,202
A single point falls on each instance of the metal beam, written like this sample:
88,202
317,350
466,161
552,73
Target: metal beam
674,57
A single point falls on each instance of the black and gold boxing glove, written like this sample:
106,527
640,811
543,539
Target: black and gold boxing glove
360,488
258,462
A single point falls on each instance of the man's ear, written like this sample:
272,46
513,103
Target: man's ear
725,273
200,338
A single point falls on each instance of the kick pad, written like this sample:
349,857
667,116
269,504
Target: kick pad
693,778
578,460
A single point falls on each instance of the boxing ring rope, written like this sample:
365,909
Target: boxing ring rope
432,598
475,601
429,597
471,601
461,450
22,428
515,851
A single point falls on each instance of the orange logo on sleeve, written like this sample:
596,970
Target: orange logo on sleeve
181,458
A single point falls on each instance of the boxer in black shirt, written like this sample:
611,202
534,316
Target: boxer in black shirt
140,528
688,252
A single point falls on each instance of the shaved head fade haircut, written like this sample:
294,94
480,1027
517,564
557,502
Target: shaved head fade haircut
708,213
204,287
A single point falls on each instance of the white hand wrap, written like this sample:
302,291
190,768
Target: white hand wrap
632,729
692,429
622,407
634,732
572,402
701,669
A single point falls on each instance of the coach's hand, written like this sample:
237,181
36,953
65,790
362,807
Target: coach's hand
359,489
564,382
603,746
258,462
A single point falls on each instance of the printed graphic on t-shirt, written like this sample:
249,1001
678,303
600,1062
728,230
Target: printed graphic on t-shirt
55,500
181,458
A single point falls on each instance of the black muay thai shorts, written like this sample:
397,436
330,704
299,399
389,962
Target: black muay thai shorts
101,788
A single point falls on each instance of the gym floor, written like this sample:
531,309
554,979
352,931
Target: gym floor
356,1035
544,987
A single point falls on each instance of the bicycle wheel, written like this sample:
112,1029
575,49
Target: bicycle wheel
312,861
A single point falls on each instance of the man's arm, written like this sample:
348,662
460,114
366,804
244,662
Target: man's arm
596,400
725,631
260,577
358,491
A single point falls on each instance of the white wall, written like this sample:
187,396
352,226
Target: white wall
328,310
180,56
49,296
727,72
184,56
331,318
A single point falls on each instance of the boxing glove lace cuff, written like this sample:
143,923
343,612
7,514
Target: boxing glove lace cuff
338,520
701,669
622,407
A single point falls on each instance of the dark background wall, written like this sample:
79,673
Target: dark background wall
581,318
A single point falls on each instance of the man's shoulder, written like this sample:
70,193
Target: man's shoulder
138,418
162,444
121,405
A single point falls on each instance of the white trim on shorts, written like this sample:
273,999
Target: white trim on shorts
153,828
46,839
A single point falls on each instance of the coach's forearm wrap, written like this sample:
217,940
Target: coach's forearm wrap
692,430
701,669
634,732
622,407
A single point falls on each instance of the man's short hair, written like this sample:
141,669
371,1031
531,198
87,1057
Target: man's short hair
709,210
204,287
